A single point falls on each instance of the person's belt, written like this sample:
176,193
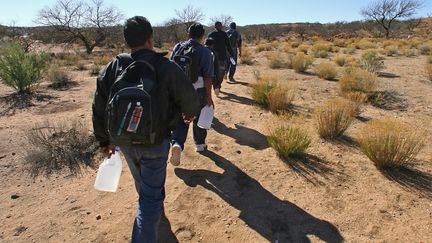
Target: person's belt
199,84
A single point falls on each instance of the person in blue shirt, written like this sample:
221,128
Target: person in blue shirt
235,39
203,87
209,43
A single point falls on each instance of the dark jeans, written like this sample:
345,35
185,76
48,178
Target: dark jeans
218,83
231,69
148,168
179,135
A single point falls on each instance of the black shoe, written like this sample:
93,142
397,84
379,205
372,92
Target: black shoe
231,79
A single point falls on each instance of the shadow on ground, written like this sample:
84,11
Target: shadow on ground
9,104
274,219
242,135
411,179
388,100
235,98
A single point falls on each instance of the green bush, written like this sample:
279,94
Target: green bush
371,61
288,141
21,70
301,62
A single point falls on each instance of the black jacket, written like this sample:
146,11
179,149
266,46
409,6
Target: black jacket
176,94
221,44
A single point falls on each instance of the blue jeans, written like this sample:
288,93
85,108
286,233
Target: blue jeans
180,133
148,168
231,69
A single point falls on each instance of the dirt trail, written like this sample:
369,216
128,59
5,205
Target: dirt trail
238,191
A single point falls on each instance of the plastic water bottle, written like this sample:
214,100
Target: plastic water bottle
109,173
206,117
233,62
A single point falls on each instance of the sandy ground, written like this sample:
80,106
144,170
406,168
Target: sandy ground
238,191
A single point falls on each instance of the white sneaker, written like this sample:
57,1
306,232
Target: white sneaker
216,91
201,147
175,155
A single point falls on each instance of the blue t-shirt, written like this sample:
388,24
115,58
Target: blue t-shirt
205,58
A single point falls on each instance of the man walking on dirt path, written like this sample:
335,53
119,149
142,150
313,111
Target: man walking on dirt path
201,74
221,46
236,41
171,93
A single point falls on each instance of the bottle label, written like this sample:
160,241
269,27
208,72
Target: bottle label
135,119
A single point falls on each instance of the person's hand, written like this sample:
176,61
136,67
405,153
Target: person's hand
107,151
210,102
187,119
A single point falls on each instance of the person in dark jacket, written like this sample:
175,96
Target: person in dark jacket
236,42
175,95
209,43
221,47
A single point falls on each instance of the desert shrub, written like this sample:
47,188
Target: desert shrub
246,57
20,70
365,44
334,117
303,48
81,66
340,42
371,61
279,60
271,94
264,47
425,49
321,50
409,52
301,62
288,141
326,71
340,60
95,70
349,50
58,78
357,97
69,59
60,147
390,143
295,44
357,80
102,60
287,48
391,51
429,59
429,71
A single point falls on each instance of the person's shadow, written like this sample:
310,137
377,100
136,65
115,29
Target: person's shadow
275,219
243,135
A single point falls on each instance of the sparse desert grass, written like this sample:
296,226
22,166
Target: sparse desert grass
390,143
321,49
288,140
340,42
68,59
429,71
371,61
102,60
409,52
279,60
326,70
95,70
365,44
303,48
429,59
60,147
271,93
20,70
334,116
58,78
246,57
350,50
81,66
425,49
295,44
287,48
264,47
301,62
391,50
340,59
357,80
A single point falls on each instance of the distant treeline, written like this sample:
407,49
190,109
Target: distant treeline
251,33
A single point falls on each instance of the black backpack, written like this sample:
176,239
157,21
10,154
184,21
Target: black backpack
130,113
187,58
233,39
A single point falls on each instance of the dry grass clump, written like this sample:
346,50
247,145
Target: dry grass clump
365,44
371,61
271,94
390,143
391,50
340,59
59,78
429,71
320,50
326,70
95,70
340,42
288,141
264,47
279,60
102,60
60,147
246,57
301,62
295,44
425,49
409,52
333,117
81,66
350,50
303,48
357,80
429,59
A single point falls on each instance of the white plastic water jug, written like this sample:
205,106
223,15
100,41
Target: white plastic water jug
206,117
109,172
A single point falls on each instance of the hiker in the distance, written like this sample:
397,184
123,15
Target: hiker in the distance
221,46
236,42
138,100
209,43
201,72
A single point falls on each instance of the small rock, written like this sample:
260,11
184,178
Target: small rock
88,213
98,217
2,156
13,154
238,151
14,196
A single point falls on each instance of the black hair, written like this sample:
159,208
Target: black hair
137,31
196,31
218,23
233,25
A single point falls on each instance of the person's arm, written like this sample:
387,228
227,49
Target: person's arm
228,45
207,71
208,87
239,44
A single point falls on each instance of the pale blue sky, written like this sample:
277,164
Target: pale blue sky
244,12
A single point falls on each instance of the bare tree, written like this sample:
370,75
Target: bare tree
189,15
224,19
86,22
385,12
